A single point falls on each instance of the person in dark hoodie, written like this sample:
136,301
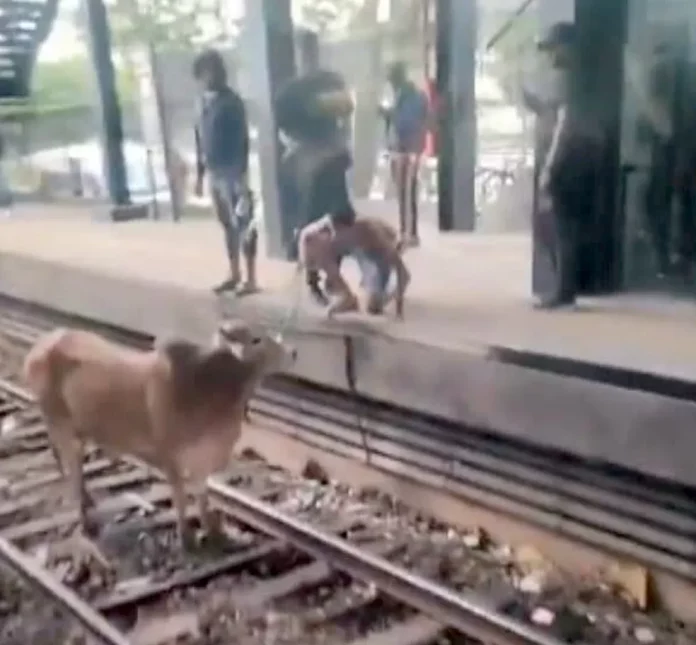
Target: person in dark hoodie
222,149
310,112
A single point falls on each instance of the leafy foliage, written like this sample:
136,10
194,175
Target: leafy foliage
325,15
63,85
161,23
512,51
62,82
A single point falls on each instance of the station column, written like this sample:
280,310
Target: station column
456,89
596,94
111,117
270,60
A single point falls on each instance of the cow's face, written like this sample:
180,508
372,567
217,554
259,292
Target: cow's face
255,345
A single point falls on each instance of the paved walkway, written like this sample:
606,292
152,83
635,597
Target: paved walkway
469,291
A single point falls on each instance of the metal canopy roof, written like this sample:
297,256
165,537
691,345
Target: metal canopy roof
24,24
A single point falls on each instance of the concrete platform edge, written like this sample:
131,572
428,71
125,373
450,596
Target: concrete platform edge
638,430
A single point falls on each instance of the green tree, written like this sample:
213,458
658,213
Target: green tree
65,82
63,85
512,51
324,15
161,24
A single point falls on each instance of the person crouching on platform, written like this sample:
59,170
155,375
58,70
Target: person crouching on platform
222,148
376,248
310,111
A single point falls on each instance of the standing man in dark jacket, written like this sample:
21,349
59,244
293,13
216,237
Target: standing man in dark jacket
222,148
310,111
565,178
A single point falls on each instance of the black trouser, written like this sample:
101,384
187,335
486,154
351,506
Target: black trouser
564,255
686,222
558,247
658,204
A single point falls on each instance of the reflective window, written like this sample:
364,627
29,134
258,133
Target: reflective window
659,146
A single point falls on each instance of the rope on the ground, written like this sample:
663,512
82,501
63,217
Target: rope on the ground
293,310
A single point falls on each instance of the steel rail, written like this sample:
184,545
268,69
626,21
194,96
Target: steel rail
27,569
16,391
539,497
658,536
465,613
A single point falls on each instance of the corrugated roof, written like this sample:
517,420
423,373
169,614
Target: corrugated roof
24,24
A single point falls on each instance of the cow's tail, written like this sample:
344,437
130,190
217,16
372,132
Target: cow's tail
39,367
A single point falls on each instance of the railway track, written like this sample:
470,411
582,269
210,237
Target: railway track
305,560
328,568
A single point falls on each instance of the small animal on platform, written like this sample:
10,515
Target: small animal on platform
378,251
178,407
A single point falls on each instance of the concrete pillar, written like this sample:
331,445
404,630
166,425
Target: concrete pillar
110,108
270,59
456,70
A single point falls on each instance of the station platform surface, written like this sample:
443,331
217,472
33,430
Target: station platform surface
471,349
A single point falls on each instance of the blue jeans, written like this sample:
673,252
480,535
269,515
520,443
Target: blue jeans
235,211
5,192
375,274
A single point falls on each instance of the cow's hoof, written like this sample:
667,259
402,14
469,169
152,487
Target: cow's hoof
188,541
213,541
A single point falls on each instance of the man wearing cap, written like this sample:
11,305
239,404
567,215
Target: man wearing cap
563,191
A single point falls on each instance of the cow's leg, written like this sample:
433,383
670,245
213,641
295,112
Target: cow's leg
343,300
77,481
176,481
403,280
211,521
69,452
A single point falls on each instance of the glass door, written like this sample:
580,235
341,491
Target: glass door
658,142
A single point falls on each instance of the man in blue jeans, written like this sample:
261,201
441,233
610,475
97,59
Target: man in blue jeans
222,149
5,192
407,128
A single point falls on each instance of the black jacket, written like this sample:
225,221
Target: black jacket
297,111
222,132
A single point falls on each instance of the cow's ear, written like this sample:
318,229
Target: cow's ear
235,330
217,340
161,341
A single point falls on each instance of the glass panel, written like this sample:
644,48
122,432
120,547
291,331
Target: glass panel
658,145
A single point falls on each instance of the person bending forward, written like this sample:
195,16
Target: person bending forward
377,249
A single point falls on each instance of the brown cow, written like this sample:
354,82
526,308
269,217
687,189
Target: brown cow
177,407
373,243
